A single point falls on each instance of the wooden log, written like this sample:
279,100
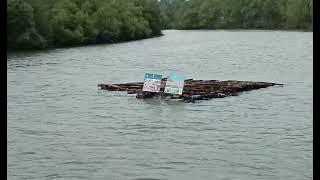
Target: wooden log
193,89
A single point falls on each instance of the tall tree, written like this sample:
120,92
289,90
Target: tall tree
21,26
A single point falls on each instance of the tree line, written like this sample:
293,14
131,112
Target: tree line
37,24
231,14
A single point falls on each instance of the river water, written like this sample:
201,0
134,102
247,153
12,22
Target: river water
62,126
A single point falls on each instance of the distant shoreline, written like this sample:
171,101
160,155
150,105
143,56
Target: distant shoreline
241,29
118,42
83,45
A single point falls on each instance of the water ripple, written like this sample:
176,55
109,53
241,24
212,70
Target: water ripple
61,126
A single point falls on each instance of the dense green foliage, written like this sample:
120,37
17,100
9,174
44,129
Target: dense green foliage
227,14
48,23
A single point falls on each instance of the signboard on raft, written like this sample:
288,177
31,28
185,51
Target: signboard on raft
174,84
152,82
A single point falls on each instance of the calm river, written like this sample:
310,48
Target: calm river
62,126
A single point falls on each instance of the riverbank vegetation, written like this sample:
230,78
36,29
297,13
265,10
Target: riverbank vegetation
35,24
38,24
237,14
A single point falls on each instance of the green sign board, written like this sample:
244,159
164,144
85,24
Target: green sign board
152,82
174,84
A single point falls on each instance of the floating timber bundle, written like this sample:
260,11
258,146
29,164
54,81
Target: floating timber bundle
193,89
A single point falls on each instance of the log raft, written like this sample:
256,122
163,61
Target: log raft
193,89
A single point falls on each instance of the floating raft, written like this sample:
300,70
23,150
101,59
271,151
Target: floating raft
193,89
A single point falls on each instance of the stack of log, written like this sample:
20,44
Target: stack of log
193,89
